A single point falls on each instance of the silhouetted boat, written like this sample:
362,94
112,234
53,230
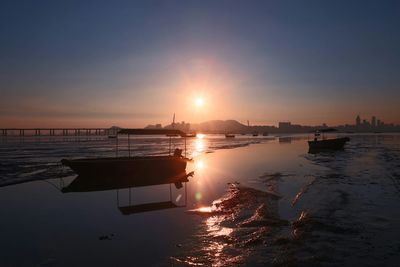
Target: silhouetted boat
149,165
255,134
190,135
326,144
335,143
229,136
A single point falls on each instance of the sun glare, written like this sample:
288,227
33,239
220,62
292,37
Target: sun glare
199,102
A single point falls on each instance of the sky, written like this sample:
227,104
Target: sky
133,63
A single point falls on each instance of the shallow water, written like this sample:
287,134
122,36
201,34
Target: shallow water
265,203
33,158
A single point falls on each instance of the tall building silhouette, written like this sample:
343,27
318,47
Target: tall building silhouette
373,121
358,121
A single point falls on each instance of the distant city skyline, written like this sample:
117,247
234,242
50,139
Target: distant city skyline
214,126
359,124
130,63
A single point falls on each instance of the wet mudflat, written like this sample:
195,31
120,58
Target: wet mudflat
328,209
269,203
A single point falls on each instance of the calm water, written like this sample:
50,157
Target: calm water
264,202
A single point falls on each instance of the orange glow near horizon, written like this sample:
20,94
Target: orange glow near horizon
195,94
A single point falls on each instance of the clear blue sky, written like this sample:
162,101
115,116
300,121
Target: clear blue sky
130,63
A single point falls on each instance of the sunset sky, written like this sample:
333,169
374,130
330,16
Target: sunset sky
132,63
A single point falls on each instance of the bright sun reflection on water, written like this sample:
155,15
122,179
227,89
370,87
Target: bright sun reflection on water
200,136
216,248
199,144
204,209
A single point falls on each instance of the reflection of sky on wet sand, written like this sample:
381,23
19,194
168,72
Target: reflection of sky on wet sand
213,175
213,171
320,193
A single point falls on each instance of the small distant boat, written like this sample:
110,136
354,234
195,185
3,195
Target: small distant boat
265,134
190,135
326,144
229,136
255,134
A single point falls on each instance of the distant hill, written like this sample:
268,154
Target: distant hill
233,126
221,126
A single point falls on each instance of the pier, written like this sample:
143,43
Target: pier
56,131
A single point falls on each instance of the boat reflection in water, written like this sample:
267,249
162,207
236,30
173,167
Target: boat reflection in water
118,182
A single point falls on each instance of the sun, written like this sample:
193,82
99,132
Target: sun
199,102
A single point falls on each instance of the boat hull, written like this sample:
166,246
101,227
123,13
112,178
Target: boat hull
328,144
128,166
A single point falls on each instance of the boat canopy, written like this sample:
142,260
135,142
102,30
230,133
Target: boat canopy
151,132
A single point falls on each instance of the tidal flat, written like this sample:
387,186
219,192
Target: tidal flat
250,202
